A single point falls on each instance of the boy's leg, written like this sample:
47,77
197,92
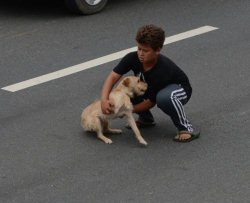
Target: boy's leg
171,100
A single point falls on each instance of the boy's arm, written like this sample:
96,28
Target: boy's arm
143,106
110,81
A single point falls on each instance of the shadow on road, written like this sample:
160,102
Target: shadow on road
33,8
51,8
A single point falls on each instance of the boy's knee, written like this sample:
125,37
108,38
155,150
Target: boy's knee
163,101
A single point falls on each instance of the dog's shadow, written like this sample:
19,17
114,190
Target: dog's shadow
162,132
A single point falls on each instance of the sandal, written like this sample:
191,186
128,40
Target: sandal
193,136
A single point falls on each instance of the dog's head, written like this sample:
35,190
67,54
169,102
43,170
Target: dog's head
134,85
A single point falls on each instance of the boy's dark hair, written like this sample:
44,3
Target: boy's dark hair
151,35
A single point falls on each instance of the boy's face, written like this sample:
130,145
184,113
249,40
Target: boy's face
147,54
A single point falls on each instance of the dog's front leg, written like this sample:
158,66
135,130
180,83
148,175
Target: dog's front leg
131,122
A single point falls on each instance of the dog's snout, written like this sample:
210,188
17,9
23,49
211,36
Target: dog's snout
143,87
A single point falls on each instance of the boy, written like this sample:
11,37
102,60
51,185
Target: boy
168,85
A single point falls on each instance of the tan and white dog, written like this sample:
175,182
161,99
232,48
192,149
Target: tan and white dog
93,119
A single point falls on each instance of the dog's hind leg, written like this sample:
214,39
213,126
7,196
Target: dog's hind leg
131,122
99,131
106,128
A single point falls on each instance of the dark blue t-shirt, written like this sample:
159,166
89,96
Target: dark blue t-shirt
164,73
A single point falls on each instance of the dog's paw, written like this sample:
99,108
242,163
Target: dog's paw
143,143
108,141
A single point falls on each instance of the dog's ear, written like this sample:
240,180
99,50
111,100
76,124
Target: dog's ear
126,82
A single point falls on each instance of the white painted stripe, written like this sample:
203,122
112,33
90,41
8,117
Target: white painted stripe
99,61
189,34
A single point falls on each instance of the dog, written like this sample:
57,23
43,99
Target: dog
93,119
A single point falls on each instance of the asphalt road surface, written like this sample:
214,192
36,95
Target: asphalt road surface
45,156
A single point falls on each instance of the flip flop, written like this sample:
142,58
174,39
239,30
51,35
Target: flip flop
194,136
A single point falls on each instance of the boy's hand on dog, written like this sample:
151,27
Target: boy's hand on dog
107,107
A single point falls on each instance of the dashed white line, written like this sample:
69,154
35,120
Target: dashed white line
99,61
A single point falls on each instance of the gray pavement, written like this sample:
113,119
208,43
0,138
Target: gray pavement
46,157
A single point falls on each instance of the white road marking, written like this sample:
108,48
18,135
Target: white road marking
99,61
